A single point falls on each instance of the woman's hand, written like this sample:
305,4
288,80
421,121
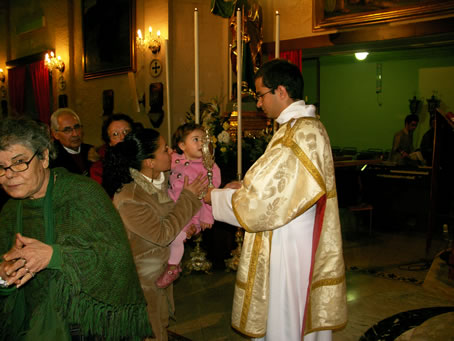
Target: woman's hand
25,259
198,186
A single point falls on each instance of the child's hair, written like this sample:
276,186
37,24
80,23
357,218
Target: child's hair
182,132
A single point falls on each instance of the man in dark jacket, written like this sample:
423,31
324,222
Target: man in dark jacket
72,154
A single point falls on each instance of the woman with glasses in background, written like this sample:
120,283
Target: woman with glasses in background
66,267
114,129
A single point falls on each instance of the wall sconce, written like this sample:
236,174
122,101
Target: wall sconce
149,41
2,76
53,62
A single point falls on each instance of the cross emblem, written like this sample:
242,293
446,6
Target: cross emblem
155,68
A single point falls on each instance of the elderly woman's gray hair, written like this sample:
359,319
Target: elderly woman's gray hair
28,133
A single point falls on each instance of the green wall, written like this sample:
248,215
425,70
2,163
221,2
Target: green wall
356,116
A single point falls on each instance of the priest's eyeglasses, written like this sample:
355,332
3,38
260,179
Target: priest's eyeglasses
18,166
258,97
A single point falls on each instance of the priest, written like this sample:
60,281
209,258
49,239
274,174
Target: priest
291,279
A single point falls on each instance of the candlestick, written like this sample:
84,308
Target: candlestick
196,61
230,74
277,48
239,63
169,130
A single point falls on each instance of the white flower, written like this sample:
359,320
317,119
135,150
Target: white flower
224,137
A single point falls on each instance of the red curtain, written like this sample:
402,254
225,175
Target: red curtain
40,80
16,82
295,57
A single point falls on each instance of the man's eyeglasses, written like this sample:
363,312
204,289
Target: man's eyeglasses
69,130
117,133
19,166
258,97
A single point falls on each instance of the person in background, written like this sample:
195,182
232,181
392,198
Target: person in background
187,162
72,153
427,142
402,151
114,129
66,266
291,276
136,175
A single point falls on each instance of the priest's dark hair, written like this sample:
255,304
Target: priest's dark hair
281,72
182,132
137,146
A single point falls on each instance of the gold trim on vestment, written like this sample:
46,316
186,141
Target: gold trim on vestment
331,194
250,279
340,326
240,221
327,281
311,203
244,332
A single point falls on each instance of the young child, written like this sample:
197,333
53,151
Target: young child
186,161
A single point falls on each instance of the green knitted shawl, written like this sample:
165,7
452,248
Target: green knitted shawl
91,280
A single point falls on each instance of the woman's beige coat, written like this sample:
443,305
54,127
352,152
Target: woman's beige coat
152,221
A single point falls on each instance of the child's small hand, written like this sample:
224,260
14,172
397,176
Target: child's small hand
192,230
205,225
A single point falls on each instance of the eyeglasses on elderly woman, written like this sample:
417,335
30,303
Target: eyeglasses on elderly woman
17,166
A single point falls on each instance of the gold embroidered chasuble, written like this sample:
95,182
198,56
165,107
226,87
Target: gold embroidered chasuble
295,172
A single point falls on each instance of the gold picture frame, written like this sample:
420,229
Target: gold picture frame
345,14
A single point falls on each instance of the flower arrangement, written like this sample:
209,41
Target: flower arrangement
224,136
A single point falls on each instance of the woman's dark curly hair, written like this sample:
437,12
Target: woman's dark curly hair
182,132
137,146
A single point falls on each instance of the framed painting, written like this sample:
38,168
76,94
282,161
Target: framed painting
108,37
339,14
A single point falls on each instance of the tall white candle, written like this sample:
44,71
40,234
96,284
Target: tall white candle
229,91
278,29
196,61
239,48
169,123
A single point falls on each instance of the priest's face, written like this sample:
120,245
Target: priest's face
267,99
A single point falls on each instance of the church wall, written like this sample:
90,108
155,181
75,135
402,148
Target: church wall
213,56
355,116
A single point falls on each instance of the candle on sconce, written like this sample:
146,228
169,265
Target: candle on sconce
169,125
277,47
196,61
229,92
239,62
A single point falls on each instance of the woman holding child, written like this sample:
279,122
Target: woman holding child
135,174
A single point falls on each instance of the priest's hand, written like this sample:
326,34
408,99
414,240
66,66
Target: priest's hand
25,259
234,185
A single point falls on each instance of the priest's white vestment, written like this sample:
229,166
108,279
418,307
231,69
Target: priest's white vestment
291,277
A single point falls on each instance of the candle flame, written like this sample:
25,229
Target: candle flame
159,33
139,33
150,29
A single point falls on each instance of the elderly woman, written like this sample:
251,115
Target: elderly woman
135,174
66,261
113,130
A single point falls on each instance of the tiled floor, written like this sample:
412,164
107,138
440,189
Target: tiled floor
384,276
